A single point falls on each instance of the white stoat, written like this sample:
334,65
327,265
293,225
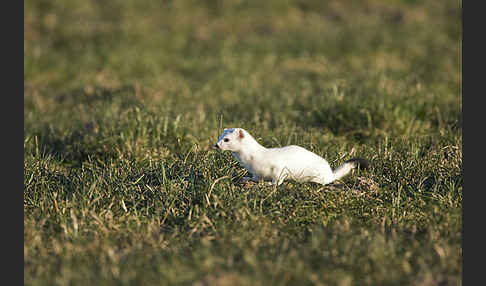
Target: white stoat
278,164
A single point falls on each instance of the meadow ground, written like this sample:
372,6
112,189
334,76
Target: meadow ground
124,99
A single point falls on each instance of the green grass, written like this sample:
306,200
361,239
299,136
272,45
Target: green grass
124,99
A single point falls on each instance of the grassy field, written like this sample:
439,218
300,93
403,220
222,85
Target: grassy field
124,99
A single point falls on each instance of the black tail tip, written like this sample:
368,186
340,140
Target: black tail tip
361,163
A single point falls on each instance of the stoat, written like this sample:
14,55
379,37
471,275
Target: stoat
279,164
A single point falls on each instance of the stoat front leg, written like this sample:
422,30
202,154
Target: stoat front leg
253,178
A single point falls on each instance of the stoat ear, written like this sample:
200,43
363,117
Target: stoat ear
241,135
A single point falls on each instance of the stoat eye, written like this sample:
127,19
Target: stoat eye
225,139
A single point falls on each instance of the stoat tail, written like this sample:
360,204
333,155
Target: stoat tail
347,166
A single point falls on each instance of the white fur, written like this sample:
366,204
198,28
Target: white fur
278,164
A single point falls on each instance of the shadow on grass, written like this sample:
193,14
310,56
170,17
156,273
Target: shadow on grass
76,136
73,148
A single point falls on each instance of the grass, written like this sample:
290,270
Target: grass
124,99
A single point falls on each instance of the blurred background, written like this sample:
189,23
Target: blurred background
112,42
233,49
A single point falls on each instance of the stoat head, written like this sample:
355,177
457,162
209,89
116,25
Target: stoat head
231,139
